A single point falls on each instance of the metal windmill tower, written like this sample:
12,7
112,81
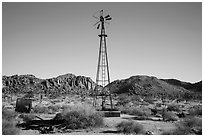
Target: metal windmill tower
102,75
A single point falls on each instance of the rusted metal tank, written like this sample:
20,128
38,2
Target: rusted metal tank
23,105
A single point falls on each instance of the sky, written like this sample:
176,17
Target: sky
51,39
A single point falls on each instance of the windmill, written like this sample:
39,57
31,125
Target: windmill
102,75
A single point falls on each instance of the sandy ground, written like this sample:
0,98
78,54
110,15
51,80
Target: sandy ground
157,127
109,128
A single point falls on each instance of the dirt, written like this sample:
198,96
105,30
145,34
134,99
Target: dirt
155,127
109,128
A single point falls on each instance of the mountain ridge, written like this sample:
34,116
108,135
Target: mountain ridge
66,83
196,87
70,83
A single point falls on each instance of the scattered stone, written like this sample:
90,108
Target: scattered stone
149,133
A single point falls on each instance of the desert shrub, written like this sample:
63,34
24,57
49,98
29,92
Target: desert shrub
8,114
169,116
40,109
123,99
123,109
189,125
137,111
130,127
27,117
135,98
75,120
192,122
80,117
149,100
158,104
161,111
96,119
142,112
8,122
173,107
195,110
53,108
64,106
9,128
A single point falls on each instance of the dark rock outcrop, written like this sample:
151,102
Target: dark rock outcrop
62,84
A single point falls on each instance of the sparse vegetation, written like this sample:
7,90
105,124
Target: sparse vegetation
40,109
53,109
137,111
195,110
46,109
27,117
123,99
189,125
145,98
81,117
130,127
173,107
9,128
149,100
9,123
169,116
8,114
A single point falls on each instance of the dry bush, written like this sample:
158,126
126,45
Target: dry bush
64,106
195,110
173,107
8,123
40,109
193,123
8,114
169,116
189,125
46,109
149,100
130,127
9,128
80,117
137,111
53,108
123,99
27,117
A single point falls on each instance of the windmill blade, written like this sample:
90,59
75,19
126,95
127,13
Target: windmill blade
96,17
96,23
109,19
107,16
98,26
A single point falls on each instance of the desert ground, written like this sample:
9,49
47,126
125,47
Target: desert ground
153,124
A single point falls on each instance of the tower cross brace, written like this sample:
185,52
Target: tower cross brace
103,75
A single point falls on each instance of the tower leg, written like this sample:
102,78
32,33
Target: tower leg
111,102
103,102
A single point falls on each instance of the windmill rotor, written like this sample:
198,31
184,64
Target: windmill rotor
102,75
98,26
102,19
107,16
96,23
109,19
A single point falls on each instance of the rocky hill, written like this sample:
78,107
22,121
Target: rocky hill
196,87
149,86
67,83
